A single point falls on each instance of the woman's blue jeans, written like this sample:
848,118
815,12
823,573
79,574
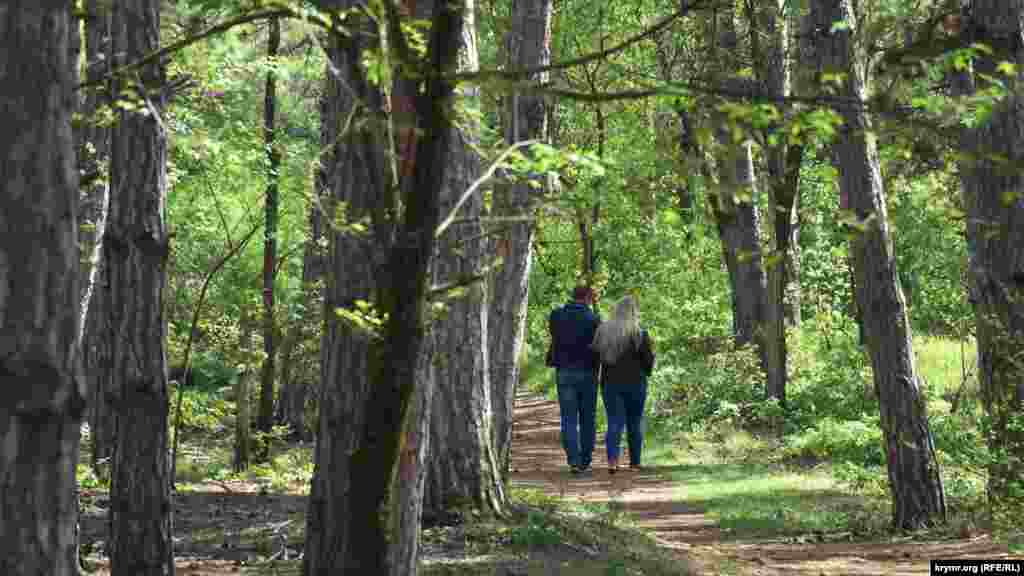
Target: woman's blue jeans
577,402
624,404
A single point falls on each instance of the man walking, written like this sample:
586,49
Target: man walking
572,330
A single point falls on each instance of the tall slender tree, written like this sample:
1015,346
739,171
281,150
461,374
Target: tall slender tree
40,369
265,418
782,185
95,160
918,498
992,193
528,48
732,199
296,390
135,251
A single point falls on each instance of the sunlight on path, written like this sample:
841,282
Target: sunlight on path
657,504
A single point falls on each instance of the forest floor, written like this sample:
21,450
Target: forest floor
657,503
238,527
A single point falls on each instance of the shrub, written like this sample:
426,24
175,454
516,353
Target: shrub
854,441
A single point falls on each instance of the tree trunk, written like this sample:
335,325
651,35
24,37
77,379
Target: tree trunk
463,470
739,226
294,392
917,493
265,418
243,417
782,184
135,252
96,201
733,202
992,184
370,386
40,368
529,46
356,164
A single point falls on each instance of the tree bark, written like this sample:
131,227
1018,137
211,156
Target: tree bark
95,206
463,470
40,367
135,252
294,391
265,418
357,172
370,386
917,492
243,416
733,204
991,186
739,226
529,47
783,168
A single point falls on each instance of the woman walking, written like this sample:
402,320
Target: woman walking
627,358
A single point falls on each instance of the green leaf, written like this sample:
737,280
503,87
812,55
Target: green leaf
838,26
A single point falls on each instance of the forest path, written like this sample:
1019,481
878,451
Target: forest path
655,502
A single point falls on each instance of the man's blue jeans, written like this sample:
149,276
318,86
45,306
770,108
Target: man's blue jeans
577,401
624,404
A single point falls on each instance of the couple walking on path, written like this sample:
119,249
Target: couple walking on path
616,356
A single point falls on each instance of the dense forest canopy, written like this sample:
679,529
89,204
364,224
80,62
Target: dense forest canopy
348,222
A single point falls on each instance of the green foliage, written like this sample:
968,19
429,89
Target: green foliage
87,479
854,441
203,411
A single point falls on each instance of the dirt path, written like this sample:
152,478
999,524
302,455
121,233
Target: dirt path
653,500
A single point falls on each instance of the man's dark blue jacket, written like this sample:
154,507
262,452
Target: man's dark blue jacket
572,332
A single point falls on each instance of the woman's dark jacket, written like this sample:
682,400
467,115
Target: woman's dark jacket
633,366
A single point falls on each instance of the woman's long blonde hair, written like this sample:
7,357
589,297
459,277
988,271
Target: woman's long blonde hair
620,333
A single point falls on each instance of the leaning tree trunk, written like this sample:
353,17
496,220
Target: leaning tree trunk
529,47
917,494
463,471
95,200
135,254
265,418
40,368
992,192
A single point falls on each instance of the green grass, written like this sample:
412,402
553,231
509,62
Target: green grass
739,480
943,361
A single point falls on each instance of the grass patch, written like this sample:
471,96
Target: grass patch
735,480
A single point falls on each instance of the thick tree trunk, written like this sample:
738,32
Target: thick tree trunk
733,202
265,418
739,226
995,235
370,387
40,368
357,166
95,205
135,252
463,471
917,493
529,46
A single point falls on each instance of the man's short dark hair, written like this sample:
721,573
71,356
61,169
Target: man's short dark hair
582,293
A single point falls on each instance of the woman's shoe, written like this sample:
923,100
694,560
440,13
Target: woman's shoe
635,468
613,466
